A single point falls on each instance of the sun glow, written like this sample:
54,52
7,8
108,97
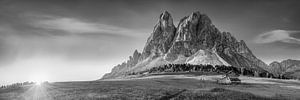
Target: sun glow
38,83
39,78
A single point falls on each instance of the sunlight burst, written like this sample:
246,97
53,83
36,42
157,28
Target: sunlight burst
39,78
38,83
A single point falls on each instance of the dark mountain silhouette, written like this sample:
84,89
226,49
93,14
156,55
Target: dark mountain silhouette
195,40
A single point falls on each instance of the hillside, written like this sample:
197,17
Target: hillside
285,69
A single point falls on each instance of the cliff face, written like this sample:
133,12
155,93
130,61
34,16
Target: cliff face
161,38
195,40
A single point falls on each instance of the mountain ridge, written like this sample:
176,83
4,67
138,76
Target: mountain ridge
285,69
195,40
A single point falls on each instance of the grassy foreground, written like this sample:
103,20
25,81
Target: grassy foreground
143,89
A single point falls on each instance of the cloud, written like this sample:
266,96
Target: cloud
78,26
283,36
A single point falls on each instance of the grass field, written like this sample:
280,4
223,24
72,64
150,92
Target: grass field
158,88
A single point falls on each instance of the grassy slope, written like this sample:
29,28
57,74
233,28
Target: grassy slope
156,88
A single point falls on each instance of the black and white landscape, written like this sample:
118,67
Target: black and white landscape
178,50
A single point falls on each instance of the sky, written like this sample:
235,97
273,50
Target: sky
78,40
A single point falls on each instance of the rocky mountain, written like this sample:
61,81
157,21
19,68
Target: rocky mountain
285,69
195,40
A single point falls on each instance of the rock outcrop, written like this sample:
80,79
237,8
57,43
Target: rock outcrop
195,40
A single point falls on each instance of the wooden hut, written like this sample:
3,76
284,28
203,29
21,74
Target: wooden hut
230,78
224,80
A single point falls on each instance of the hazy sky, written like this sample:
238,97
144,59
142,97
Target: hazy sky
63,40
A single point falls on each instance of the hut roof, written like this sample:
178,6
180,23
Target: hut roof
234,79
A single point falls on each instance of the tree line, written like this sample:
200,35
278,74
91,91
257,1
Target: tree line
203,68
14,85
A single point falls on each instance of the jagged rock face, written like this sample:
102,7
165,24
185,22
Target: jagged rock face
122,68
161,39
133,60
193,33
237,53
195,40
285,68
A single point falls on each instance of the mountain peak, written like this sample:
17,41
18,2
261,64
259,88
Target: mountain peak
274,62
161,38
165,19
205,19
165,15
194,17
195,40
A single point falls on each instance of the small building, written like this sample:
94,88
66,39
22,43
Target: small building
235,80
224,80
230,78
